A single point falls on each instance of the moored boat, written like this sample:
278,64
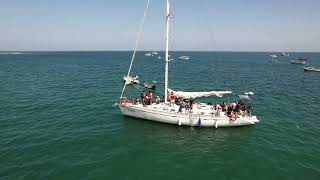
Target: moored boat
184,57
299,61
285,53
311,69
178,107
202,115
273,58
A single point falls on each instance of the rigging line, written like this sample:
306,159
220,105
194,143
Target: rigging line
135,86
137,43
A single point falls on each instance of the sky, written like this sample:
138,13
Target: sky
198,25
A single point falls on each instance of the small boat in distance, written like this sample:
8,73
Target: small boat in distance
184,57
148,54
155,53
311,69
273,58
285,53
299,61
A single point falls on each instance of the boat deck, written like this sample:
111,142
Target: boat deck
202,109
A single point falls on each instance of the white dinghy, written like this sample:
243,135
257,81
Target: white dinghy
131,80
187,113
246,96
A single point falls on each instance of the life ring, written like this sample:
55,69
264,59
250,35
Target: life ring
123,104
233,117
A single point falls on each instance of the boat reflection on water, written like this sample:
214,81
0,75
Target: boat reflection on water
207,139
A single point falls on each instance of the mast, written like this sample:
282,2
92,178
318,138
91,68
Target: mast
167,53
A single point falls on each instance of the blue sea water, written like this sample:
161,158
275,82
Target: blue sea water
57,119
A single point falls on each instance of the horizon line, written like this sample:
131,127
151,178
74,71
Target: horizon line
154,50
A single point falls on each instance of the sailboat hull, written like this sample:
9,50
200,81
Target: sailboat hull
187,119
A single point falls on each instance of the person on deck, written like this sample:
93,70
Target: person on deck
150,97
182,106
158,100
191,104
162,99
187,105
172,99
218,109
233,105
143,98
223,107
135,100
237,108
147,99
229,110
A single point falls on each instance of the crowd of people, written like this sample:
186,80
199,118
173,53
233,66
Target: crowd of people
186,105
147,99
233,108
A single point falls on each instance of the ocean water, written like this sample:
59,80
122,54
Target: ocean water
57,119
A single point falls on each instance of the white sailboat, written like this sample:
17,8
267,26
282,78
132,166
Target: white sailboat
273,58
198,114
285,53
184,57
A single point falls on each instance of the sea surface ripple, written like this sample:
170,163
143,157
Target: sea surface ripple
58,119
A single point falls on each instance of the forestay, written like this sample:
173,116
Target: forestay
188,95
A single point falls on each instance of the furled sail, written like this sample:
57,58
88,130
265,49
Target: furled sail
198,94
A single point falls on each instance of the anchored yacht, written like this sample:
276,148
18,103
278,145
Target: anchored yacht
187,112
